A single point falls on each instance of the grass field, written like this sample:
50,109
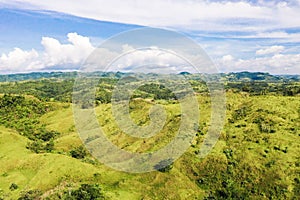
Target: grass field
257,155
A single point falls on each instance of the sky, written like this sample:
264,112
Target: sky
238,35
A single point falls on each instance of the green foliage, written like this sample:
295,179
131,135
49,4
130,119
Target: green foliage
1,194
30,195
37,75
158,91
240,113
256,156
234,179
79,152
103,96
263,88
38,146
13,187
85,192
22,114
46,89
296,189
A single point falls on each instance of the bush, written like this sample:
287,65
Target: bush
30,195
47,135
38,146
13,187
79,152
85,192
1,194
35,146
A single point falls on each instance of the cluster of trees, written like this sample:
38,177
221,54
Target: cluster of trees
23,115
36,76
62,89
84,192
79,152
263,88
45,90
233,177
254,162
157,91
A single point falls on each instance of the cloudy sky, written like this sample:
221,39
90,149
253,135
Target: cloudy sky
238,35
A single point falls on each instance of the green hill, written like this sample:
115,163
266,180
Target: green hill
256,156
232,76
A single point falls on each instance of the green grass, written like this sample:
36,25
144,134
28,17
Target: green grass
60,120
265,159
36,171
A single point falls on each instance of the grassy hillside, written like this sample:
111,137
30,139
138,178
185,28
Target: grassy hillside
256,156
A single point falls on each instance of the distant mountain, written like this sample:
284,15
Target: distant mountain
258,76
290,77
36,76
227,77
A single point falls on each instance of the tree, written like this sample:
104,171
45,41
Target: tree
79,152
86,192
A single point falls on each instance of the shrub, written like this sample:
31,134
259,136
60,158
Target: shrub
1,194
85,192
47,135
30,195
35,146
79,152
38,146
13,187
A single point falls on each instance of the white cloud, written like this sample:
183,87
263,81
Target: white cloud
18,60
54,54
58,56
279,36
270,50
151,60
276,64
62,54
275,34
128,59
227,58
192,14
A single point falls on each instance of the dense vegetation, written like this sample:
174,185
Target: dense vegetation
256,157
60,86
22,114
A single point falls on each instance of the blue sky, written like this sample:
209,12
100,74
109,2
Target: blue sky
25,28
238,35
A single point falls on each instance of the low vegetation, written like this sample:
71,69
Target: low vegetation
256,156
